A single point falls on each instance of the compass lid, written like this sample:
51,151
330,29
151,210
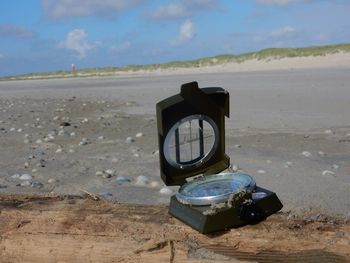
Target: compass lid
191,133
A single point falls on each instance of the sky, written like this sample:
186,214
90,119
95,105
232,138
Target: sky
50,35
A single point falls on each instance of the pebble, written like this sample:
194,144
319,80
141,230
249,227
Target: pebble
328,173
71,150
154,184
320,153
156,152
51,181
165,191
261,172
85,120
108,173
139,135
268,161
12,129
65,124
136,155
99,173
25,183
142,180
288,164
36,184
335,166
38,141
16,176
19,130
122,180
129,140
234,168
100,137
72,134
25,177
328,132
306,154
115,160
59,150
238,146
84,141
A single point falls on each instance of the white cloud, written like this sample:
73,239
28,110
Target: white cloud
183,8
16,31
278,2
77,42
187,32
77,8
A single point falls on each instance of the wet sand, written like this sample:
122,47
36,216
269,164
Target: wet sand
290,129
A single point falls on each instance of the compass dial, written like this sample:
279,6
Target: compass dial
213,189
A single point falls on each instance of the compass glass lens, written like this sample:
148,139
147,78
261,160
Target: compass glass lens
214,188
191,141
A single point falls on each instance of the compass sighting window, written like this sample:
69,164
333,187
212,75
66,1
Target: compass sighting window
191,141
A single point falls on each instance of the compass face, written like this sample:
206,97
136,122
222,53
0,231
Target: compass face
191,141
214,189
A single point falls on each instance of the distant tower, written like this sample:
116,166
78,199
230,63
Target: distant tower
74,70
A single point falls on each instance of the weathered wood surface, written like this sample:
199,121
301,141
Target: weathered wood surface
58,229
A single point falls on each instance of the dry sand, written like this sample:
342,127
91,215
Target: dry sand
289,128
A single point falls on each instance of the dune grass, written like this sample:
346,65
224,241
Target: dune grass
265,54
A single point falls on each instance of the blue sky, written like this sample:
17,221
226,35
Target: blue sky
46,35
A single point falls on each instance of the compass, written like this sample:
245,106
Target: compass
191,136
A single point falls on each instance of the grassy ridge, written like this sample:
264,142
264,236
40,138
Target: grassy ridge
265,54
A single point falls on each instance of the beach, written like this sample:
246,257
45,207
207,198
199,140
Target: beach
289,128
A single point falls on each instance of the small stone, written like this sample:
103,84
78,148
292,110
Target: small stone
26,141
59,150
25,183
19,130
238,146
335,166
34,170
85,120
156,152
328,132
121,180
136,155
139,135
51,181
288,164
38,141
71,150
306,154
268,161
234,168
154,184
36,184
65,124
261,172
165,191
142,180
328,173
115,160
26,164
72,134
12,129
16,176
26,177
320,153
84,141
129,140
100,138
99,173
